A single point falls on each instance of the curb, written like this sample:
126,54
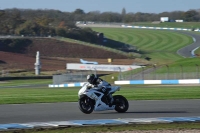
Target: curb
119,121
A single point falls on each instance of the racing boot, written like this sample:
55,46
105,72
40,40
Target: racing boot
110,99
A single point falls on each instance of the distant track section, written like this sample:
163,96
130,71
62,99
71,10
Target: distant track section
187,51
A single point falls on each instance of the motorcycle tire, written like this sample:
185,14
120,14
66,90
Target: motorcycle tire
121,103
86,105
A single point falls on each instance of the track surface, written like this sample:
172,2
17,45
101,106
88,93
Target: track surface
186,51
45,112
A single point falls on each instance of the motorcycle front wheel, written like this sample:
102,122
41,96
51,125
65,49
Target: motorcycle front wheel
86,105
121,103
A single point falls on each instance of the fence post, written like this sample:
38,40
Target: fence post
167,72
131,74
154,66
95,71
142,73
119,73
81,75
197,70
181,71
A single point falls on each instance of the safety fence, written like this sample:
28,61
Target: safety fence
136,82
144,73
164,73
157,28
75,76
122,25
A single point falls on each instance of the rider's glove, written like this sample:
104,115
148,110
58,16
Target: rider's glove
90,86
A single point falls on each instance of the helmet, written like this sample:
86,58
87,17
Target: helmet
91,78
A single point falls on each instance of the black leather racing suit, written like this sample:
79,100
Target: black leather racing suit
102,85
105,87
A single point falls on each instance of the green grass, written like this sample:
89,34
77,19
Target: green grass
131,92
24,82
37,95
160,45
187,62
190,67
197,51
185,65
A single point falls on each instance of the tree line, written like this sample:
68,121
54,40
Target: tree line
28,22
44,23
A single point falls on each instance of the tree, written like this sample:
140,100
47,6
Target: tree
190,15
62,24
2,12
110,17
79,11
61,32
123,14
43,20
92,16
78,15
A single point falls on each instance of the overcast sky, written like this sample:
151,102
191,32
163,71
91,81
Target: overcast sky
146,6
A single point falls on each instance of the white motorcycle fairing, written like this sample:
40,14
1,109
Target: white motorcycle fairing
97,96
99,105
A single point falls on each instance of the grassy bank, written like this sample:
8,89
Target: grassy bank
159,45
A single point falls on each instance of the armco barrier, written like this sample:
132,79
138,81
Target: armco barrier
156,28
67,85
180,81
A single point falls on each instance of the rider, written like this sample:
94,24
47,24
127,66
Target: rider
101,85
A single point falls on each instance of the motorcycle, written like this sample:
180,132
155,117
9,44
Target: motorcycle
91,100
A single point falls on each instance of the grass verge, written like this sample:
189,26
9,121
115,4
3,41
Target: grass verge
131,92
8,83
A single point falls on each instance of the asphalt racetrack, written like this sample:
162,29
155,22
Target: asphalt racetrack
187,50
46,112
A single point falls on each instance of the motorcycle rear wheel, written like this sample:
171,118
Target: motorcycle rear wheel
86,105
121,103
